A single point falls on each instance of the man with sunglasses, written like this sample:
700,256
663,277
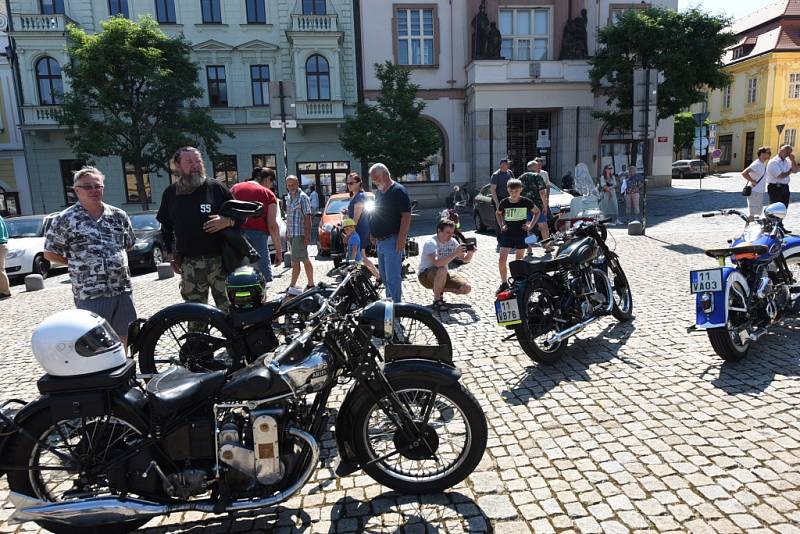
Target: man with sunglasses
93,238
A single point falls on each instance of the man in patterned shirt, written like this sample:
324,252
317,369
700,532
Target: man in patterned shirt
298,229
534,187
93,238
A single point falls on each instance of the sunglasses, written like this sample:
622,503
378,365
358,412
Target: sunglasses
351,183
89,187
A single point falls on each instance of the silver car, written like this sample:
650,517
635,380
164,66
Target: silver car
26,245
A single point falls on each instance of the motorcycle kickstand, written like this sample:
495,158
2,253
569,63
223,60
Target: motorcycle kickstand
510,337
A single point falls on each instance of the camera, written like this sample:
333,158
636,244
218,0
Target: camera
469,246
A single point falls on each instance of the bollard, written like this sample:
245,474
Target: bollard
635,228
34,282
165,271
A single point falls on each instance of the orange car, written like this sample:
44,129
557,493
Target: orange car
331,218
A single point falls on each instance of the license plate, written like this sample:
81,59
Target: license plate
707,280
507,312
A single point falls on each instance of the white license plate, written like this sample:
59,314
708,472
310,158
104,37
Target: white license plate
707,280
507,312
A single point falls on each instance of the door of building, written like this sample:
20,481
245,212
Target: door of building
523,127
749,147
328,177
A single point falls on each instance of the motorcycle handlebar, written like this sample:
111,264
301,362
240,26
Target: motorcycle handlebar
708,214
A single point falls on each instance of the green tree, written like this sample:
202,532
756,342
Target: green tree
687,47
132,92
684,132
393,132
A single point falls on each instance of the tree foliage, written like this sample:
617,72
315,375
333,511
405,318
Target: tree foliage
684,132
687,47
393,132
132,92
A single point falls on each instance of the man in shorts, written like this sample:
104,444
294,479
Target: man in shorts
93,238
534,187
437,253
298,230
512,219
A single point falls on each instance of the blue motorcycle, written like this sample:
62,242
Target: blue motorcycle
738,302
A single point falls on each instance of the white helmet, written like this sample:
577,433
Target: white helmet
76,342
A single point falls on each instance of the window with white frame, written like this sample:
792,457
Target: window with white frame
752,90
526,34
615,11
415,36
789,136
794,85
727,95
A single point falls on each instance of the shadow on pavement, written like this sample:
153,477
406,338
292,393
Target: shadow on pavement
395,512
539,379
754,374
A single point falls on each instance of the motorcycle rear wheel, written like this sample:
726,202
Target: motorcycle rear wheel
67,436
725,340
542,311
456,429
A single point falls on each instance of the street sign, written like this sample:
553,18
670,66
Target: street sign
700,146
700,118
275,107
712,131
780,128
277,123
716,155
641,88
639,121
700,132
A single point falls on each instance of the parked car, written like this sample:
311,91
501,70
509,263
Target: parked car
330,218
484,208
148,251
687,168
26,245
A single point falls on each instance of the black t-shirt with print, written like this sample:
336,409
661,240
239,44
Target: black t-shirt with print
515,215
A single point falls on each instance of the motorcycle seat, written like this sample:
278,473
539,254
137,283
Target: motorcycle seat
523,268
263,313
740,249
178,388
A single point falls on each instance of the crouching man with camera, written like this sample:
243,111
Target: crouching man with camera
437,253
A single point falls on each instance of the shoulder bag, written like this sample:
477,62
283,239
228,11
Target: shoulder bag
748,189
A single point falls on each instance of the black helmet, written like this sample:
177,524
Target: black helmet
245,288
378,318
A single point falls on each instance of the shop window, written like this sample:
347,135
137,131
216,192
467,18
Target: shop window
225,169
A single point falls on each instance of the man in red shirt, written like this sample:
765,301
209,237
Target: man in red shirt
256,228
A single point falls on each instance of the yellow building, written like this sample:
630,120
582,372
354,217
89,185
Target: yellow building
765,92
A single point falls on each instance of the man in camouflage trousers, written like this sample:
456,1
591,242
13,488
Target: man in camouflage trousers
190,225
93,238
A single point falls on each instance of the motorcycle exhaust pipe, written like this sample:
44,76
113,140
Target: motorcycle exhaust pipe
108,510
563,334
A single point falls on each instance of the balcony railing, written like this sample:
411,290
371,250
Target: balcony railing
319,109
503,71
40,23
314,23
41,115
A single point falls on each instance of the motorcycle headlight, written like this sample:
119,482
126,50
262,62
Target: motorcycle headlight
140,245
752,232
379,317
14,253
327,227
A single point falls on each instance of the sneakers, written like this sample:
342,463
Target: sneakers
503,287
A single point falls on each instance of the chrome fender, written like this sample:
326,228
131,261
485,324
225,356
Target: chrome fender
718,317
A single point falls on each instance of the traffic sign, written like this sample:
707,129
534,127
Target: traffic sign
700,131
700,118
780,128
277,123
700,146
716,155
712,131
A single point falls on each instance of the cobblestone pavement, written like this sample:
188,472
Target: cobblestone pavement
640,428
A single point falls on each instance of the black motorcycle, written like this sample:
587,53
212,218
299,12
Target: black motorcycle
101,453
204,338
555,297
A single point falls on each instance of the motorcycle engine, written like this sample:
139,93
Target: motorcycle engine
774,298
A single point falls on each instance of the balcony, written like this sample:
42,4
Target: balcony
314,23
41,115
50,24
489,71
320,110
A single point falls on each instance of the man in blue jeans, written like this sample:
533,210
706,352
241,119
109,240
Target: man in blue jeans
389,224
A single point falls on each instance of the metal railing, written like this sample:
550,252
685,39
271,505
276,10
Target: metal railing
314,23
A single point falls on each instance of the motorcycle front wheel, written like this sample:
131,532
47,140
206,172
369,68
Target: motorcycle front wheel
623,298
81,443
542,312
448,443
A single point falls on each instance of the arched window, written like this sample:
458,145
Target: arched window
318,78
48,77
438,165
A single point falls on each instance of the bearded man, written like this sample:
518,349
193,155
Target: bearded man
190,225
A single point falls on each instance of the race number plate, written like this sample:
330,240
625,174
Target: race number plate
507,312
706,280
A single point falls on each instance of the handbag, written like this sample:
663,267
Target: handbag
748,189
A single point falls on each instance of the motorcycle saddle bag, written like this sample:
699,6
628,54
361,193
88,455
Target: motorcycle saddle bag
111,379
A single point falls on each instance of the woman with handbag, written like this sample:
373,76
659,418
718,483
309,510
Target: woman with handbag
608,195
756,184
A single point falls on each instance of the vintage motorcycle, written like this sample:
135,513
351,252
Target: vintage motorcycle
737,304
204,338
99,452
554,297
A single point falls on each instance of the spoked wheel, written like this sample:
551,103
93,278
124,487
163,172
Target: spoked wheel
544,320
75,463
440,446
727,341
623,298
415,327
199,343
